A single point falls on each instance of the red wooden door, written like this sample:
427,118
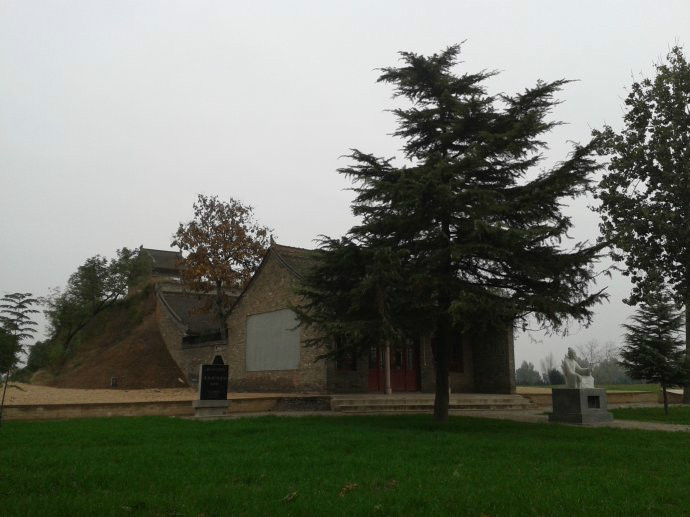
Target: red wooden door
412,381
404,364
375,369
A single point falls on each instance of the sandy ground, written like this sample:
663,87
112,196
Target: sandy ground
31,394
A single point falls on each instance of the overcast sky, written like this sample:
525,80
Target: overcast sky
114,115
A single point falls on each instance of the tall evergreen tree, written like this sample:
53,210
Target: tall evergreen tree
457,237
526,375
653,346
645,194
16,319
9,351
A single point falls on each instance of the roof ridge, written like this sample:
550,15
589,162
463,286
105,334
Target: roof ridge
291,247
286,254
284,262
162,251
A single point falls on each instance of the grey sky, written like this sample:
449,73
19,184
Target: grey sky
114,115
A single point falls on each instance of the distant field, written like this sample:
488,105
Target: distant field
340,466
676,414
654,388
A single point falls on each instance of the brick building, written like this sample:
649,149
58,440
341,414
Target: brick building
267,350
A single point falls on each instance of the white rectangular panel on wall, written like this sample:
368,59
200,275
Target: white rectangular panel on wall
273,341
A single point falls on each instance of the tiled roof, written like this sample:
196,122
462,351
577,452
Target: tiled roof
186,307
164,259
298,260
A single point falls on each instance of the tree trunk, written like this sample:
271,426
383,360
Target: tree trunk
387,369
4,390
443,334
441,357
686,390
223,324
663,390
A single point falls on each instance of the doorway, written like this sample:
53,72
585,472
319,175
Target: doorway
404,364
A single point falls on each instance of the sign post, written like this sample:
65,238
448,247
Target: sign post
213,390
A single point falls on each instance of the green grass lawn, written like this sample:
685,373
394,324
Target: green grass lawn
354,465
676,414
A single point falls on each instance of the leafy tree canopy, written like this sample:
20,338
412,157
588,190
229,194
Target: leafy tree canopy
96,285
645,194
224,245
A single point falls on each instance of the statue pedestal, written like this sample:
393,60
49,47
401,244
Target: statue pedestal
579,406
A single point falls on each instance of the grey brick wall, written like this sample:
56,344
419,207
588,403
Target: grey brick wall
349,381
188,359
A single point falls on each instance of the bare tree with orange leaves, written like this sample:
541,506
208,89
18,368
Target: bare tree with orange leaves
224,245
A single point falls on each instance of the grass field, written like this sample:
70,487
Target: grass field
654,388
676,414
358,465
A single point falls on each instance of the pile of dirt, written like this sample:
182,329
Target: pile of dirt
122,348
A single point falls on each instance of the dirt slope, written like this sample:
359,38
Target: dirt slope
121,342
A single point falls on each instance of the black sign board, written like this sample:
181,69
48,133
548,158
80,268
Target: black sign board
213,382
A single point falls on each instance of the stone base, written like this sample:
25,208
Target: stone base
579,406
204,408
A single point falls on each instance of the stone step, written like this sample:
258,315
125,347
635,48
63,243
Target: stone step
423,409
384,399
411,404
378,403
426,401
397,403
425,396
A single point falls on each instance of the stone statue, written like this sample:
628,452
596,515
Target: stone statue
575,375
579,402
